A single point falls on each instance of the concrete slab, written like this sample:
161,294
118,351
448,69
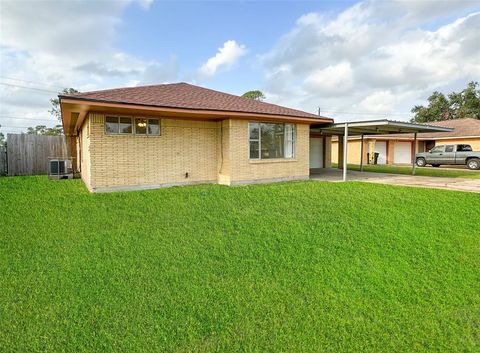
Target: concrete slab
458,184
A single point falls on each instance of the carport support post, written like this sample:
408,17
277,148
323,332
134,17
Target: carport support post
414,164
345,144
361,154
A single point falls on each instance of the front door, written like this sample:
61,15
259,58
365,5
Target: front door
316,152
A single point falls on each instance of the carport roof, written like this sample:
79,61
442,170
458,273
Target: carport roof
376,127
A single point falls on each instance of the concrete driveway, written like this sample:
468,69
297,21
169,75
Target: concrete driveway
458,184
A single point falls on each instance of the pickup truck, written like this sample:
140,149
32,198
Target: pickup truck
449,154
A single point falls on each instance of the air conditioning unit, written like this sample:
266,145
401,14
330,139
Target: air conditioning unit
60,169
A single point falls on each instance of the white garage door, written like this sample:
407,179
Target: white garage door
402,153
316,152
381,148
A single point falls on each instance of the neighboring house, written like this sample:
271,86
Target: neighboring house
174,134
398,148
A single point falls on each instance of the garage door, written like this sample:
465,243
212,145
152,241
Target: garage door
402,153
381,149
316,152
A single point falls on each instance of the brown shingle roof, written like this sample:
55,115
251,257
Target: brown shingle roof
462,127
186,96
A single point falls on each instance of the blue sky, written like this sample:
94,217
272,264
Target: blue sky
193,30
356,60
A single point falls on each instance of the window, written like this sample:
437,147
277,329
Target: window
147,126
437,149
464,148
449,148
140,126
118,125
111,125
125,125
153,127
271,140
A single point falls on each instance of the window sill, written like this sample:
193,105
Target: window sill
273,160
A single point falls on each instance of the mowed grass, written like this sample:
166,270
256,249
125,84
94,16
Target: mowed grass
428,171
292,267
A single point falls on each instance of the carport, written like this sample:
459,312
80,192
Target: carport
371,127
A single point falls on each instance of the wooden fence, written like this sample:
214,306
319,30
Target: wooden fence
3,160
29,154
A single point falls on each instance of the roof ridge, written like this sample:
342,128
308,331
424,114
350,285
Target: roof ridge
122,88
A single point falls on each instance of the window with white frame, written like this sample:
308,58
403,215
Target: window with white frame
271,140
115,125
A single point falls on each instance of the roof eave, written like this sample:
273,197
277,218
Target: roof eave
83,106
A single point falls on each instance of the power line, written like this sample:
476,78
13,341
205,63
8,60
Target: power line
26,87
28,81
18,118
367,113
15,127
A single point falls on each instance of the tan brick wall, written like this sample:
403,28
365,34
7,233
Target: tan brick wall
208,151
129,160
242,169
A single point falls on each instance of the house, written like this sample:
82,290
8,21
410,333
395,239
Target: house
176,134
398,148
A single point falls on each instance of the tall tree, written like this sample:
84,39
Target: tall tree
54,111
464,104
2,138
43,130
256,95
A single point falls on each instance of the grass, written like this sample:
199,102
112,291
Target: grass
291,267
429,171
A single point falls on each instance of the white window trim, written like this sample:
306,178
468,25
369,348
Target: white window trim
259,140
134,128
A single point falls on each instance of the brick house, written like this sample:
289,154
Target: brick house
176,134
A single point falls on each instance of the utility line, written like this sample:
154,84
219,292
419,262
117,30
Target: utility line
28,81
365,113
18,118
32,88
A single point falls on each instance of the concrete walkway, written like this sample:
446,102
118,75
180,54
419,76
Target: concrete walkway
458,184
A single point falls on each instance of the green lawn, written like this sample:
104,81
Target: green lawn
429,171
291,267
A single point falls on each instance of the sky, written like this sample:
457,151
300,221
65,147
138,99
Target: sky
352,60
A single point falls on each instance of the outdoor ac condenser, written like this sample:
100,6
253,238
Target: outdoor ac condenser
60,169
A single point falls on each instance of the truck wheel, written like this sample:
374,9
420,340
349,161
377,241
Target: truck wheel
473,164
436,165
421,162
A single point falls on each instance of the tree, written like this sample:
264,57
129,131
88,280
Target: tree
464,104
43,130
3,142
55,111
256,95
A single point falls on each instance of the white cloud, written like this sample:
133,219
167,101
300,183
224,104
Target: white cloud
227,56
379,101
332,80
55,44
374,56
